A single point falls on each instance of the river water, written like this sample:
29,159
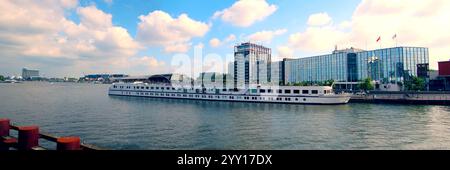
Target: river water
112,122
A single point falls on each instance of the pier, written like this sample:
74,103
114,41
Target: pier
426,97
28,139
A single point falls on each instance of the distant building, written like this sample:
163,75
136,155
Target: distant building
251,65
231,68
106,78
176,80
444,68
277,73
422,70
28,74
70,79
433,74
213,80
442,81
96,76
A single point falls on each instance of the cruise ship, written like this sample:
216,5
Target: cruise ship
161,87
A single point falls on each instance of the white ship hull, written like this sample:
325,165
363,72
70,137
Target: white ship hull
291,99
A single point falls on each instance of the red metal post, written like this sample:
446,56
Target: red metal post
4,132
28,137
68,143
4,127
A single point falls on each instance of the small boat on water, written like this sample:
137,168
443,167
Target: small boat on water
10,81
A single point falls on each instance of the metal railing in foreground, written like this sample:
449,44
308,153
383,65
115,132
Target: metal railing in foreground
28,139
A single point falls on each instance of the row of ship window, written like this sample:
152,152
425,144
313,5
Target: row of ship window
253,91
291,91
217,97
142,87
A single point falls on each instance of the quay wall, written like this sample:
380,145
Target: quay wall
435,98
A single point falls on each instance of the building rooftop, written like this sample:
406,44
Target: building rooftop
347,50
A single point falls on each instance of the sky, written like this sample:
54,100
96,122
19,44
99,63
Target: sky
71,38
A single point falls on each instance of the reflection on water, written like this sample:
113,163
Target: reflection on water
145,123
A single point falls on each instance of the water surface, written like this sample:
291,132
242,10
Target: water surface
113,122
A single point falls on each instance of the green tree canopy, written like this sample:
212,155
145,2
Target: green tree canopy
328,82
366,84
309,83
415,84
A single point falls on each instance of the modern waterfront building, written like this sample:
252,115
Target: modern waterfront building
389,65
423,70
442,81
28,74
178,80
277,73
213,80
251,65
230,68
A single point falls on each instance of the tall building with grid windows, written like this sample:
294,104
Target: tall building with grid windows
252,65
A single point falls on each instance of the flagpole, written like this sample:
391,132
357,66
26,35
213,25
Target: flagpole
396,41
379,43
366,45
377,59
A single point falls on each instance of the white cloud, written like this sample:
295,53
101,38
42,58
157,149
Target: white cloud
69,3
40,34
265,36
230,38
144,65
285,52
96,37
245,13
160,29
215,42
416,23
177,48
317,39
27,17
319,19
345,25
199,45
92,17
147,61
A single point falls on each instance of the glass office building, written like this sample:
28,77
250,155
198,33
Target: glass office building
388,65
28,74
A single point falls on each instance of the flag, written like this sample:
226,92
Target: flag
394,37
379,38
